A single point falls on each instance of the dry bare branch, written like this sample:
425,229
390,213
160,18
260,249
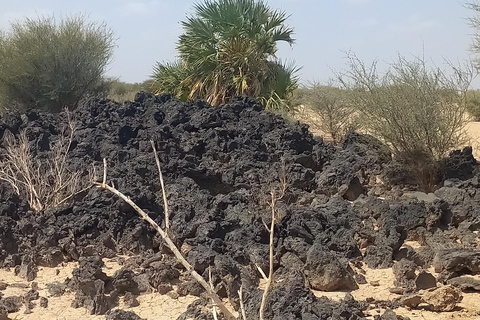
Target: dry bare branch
261,272
164,195
104,171
45,183
271,249
275,217
211,293
214,309
242,307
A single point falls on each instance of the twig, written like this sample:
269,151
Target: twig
270,271
214,309
104,171
228,315
160,175
48,182
261,272
242,307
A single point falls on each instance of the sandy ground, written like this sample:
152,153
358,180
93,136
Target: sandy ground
152,306
473,130
467,309
162,307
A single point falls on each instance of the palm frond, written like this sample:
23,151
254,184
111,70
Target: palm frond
170,78
281,82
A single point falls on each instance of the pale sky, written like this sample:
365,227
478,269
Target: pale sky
147,30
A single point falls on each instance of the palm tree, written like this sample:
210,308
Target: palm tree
169,78
228,48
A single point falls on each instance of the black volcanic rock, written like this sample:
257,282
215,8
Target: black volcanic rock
219,165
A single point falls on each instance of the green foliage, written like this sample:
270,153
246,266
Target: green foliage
335,115
120,91
170,78
475,24
473,104
411,107
278,87
228,48
419,111
48,65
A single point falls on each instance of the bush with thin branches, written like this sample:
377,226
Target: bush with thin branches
120,91
331,105
473,104
47,64
420,112
48,182
276,195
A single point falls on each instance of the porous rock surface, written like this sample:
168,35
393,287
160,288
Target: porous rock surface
219,165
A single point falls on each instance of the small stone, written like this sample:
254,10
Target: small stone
324,271
181,290
173,295
164,288
3,313
465,283
397,290
360,279
411,301
444,298
389,315
375,283
34,286
425,280
27,270
12,303
441,299
56,289
117,314
31,295
404,271
130,300
43,302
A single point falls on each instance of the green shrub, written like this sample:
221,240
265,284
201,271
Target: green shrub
473,104
49,65
120,91
334,113
415,109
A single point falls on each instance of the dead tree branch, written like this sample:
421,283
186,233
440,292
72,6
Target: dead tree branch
211,293
164,194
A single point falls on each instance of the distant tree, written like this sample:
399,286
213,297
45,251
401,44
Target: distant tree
475,24
473,104
335,115
48,65
120,91
228,48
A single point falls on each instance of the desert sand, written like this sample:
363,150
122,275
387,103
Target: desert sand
154,306
473,130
